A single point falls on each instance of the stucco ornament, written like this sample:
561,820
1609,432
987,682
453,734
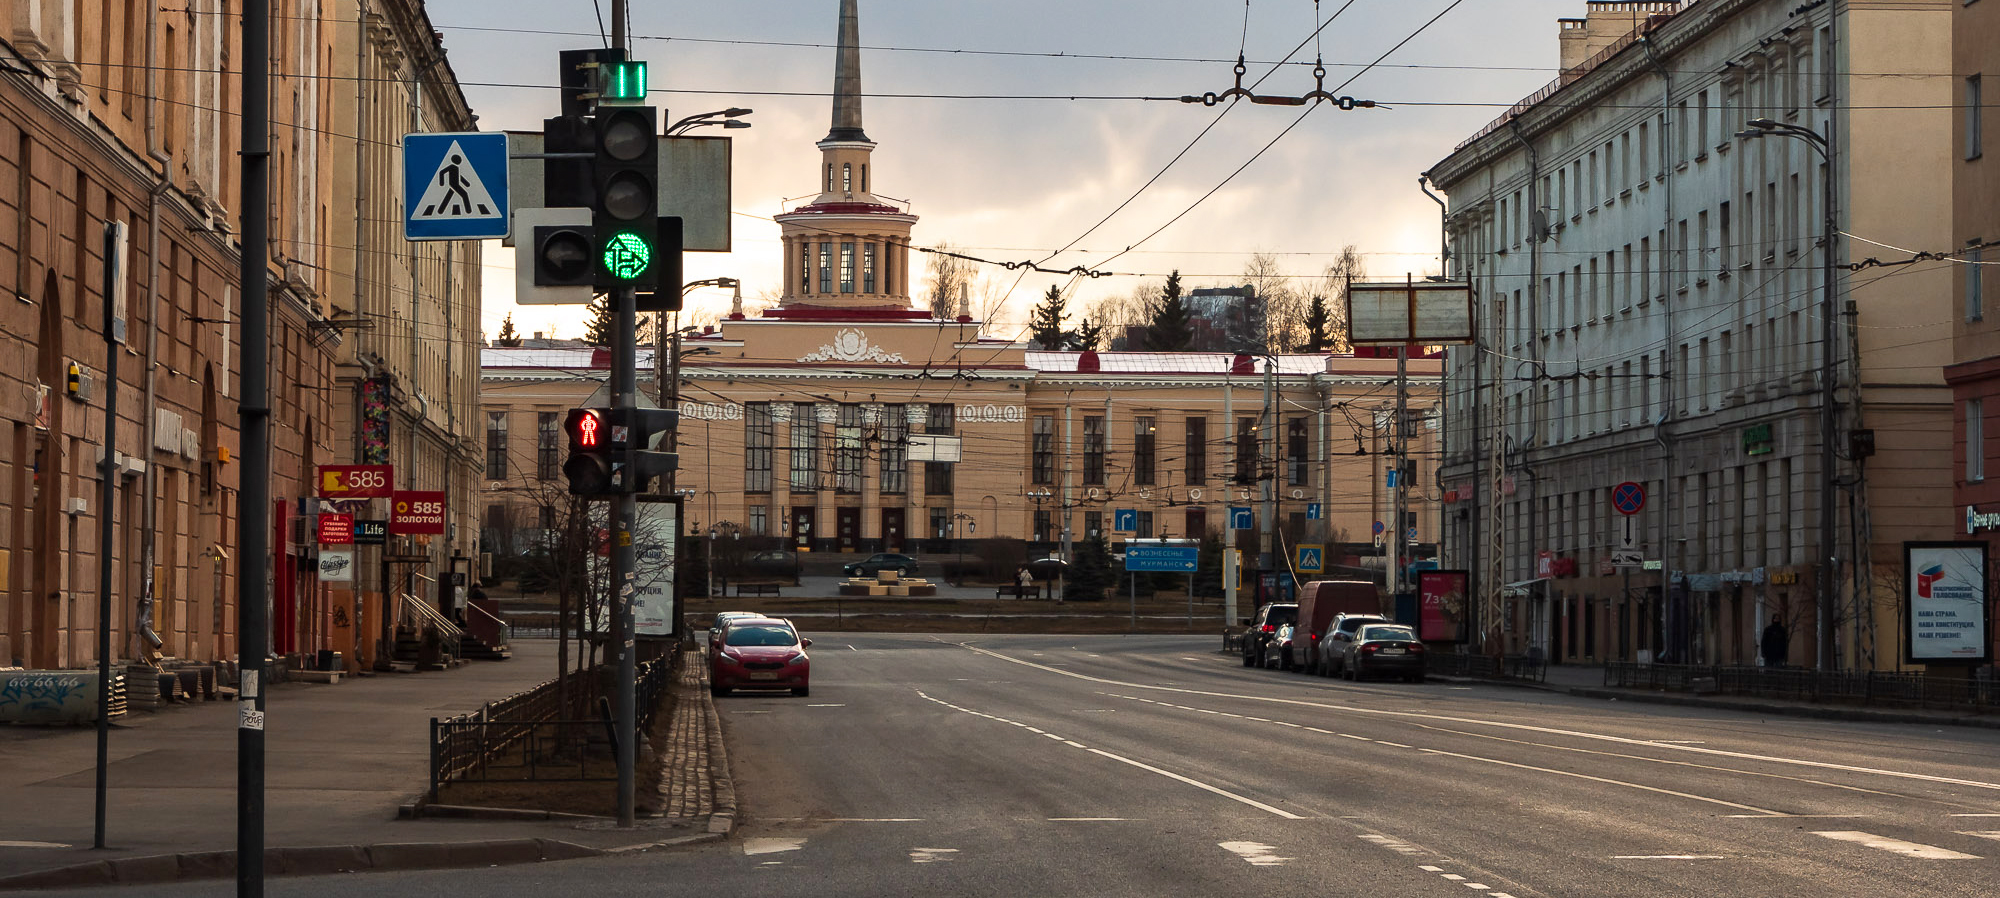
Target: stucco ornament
851,345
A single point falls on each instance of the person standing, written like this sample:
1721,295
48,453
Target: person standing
1776,643
1027,581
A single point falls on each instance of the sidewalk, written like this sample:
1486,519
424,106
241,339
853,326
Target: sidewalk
1587,681
341,761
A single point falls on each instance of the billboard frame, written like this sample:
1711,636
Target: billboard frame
1984,599
1424,581
1433,313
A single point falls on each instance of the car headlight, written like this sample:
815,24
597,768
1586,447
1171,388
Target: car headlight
726,657
795,658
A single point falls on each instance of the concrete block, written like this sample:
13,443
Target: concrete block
151,869
495,853
317,860
878,590
886,576
899,590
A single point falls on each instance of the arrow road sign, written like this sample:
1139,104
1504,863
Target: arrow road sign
454,185
1313,511
1241,518
1125,520
1162,558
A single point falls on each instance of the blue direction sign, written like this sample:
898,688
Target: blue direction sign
1241,518
1161,558
1313,511
1125,520
455,185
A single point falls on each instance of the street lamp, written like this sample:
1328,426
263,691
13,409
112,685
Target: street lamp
1039,495
1828,413
727,118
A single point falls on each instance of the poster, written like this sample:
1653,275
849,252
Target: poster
1441,605
336,565
1944,602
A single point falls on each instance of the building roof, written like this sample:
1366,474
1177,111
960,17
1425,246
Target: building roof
496,357
1170,363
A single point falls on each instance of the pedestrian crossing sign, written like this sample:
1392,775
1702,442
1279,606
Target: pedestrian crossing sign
1311,559
455,186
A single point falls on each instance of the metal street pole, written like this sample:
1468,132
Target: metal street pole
624,511
107,471
253,522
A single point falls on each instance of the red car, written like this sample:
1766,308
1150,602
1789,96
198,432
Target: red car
760,653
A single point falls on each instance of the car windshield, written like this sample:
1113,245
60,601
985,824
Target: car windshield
1283,614
762,635
1354,624
1402,633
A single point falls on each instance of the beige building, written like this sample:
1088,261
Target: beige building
846,421
1975,376
1652,308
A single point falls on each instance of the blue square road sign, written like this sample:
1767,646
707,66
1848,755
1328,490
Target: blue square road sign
455,185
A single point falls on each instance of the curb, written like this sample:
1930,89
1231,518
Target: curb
304,861
1819,712
723,821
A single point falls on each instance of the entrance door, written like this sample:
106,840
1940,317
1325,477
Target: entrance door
849,522
1197,523
893,529
802,528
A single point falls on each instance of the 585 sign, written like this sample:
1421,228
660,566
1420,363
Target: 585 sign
357,481
416,512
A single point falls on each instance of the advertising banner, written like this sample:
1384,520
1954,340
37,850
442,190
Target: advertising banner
356,481
1441,605
1944,601
336,565
336,529
415,512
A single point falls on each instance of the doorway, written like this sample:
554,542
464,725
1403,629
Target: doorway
848,523
893,529
802,528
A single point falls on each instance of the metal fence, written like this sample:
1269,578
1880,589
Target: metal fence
544,733
1486,667
1890,688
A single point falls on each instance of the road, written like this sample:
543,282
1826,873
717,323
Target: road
1148,766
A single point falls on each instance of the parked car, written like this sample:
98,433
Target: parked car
1278,651
882,561
1262,626
761,653
1332,647
1385,650
1320,601
721,623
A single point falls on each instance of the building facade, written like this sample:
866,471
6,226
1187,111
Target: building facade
1651,289
1975,374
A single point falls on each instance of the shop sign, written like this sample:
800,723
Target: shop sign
1441,605
1975,520
336,529
356,481
336,565
1757,439
417,512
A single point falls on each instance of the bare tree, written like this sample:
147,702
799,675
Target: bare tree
944,275
1117,315
1332,285
1274,318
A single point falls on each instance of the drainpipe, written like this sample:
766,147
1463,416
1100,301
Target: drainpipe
148,421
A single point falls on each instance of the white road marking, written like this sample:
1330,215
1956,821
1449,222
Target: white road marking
1256,853
1476,885
1984,834
1430,869
1599,779
852,649
1976,815
1678,742
1392,843
1453,877
1391,744
771,846
1072,744
827,706
1796,816
1088,819
1555,731
874,819
1898,846
34,845
1667,857
931,855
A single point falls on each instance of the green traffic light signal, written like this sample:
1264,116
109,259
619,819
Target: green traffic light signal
624,82
627,256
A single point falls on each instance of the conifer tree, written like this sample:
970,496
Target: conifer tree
1171,330
507,336
1045,326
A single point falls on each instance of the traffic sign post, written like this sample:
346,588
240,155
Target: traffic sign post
455,185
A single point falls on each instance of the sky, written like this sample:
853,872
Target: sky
969,104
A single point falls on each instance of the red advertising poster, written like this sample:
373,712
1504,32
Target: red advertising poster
1441,605
357,481
336,529
416,512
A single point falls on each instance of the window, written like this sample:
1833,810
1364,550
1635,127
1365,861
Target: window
1093,524
847,454
826,268
847,177
895,437
496,445
1145,525
805,267
1093,449
1246,450
941,523
1975,303
1043,464
868,268
805,449
1701,126
847,267
829,177
757,447
1724,251
937,474
1975,440
1043,524
548,437
1196,453
1972,117
1296,472
760,522
1142,451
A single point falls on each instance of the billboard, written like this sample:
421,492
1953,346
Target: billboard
416,512
1441,605
356,481
1416,312
1944,602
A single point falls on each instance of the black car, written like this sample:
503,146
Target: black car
1264,625
1384,650
904,565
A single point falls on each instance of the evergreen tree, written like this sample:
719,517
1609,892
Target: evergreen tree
1089,336
1319,321
1045,326
1171,329
507,337
1090,572
602,325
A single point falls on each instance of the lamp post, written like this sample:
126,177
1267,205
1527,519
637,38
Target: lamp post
670,362
727,118
1828,413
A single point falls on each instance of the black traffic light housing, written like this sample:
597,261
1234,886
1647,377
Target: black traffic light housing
589,468
666,293
610,449
625,213
579,73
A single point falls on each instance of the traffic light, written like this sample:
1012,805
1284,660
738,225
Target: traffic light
581,76
589,468
641,462
553,257
625,217
666,294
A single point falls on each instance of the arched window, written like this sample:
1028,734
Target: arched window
864,177
829,177
847,177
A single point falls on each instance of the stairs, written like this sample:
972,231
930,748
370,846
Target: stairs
472,648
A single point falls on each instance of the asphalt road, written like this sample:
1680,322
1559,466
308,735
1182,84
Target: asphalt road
1149,766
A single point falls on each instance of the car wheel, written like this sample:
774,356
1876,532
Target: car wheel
1346,673
802,691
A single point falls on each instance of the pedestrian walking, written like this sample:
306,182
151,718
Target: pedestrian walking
1777,643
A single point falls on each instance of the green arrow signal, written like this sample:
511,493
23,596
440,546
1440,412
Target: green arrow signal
626,256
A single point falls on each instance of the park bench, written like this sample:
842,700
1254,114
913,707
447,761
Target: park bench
757,588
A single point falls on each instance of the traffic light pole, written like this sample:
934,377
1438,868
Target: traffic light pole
624,512
253,534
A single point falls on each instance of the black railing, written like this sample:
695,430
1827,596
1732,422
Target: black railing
1890,688
544,733
1486,667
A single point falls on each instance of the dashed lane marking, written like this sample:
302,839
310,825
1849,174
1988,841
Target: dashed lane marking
1984,834
1898,846
827,706
1255,853
1088,819
758,846
1667,857
931,855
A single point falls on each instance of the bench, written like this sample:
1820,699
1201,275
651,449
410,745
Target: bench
1031,591
757,588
